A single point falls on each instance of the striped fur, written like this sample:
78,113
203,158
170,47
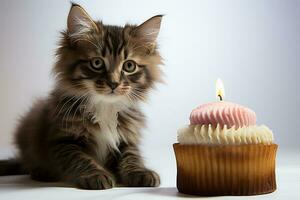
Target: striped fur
87,130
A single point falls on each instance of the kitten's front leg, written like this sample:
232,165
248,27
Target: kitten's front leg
80,168
132,171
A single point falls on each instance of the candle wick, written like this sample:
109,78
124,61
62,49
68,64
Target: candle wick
221,99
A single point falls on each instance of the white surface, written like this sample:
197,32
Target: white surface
22,188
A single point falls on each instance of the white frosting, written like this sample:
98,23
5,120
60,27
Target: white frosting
206,134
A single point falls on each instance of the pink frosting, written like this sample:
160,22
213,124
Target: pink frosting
223,113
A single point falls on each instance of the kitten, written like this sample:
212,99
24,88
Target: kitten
87,131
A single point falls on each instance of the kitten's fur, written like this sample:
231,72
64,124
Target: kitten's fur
88,129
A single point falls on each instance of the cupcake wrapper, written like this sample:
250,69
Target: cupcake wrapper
225,170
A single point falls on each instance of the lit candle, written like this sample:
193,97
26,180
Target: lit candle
220,91
222,112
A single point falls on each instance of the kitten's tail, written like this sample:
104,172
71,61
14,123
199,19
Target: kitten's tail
11,167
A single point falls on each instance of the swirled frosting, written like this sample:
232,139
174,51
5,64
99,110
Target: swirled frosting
223,113
207,134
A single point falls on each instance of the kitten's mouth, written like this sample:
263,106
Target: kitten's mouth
118,92
113,93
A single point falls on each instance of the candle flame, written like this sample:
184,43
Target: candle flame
220,91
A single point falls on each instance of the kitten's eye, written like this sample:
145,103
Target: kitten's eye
97,64
129,66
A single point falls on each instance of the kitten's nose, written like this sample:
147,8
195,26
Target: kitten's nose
113,85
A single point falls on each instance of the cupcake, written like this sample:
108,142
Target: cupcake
224,152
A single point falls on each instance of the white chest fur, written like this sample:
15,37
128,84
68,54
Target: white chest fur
107,137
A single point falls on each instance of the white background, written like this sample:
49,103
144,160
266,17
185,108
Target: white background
252,45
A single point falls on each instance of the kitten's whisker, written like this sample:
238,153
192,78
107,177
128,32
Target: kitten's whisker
67,113
87,99
57,106
135,95
139,89
130,98
61,109
84,101
138,95
141,92
82,97
64,97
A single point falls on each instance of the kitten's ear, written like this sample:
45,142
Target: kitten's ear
148,31
79,21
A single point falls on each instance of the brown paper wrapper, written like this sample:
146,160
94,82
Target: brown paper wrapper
225,170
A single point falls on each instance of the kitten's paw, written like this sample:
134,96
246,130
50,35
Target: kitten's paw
144,178
99,181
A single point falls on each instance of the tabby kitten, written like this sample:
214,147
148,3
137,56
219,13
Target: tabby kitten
87,131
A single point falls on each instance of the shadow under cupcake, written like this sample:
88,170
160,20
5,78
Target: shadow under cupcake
224,152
